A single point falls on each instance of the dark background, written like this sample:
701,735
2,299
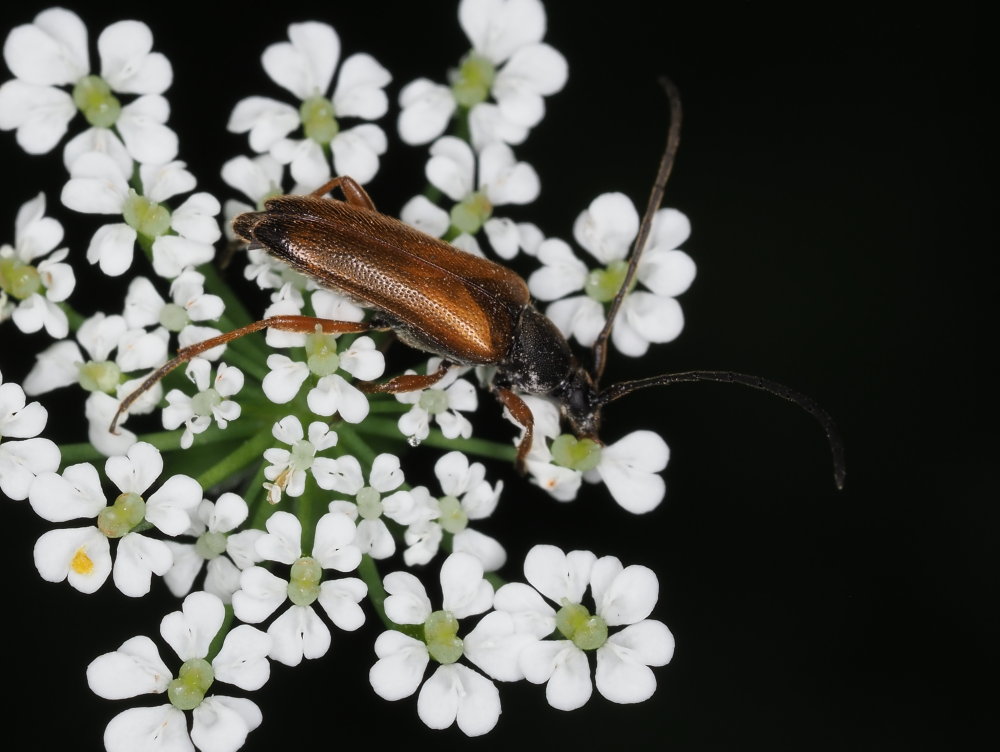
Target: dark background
833,164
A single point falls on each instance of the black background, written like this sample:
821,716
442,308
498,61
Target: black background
833,164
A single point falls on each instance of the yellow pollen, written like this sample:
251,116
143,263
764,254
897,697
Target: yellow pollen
82,564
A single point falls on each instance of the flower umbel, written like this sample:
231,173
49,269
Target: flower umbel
272,479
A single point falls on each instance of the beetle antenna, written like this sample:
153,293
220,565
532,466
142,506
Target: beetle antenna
655,199
616,391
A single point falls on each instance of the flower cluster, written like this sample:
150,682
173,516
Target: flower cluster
280,500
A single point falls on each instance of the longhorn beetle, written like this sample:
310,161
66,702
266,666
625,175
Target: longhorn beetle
467,309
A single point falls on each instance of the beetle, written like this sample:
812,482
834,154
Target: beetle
467,309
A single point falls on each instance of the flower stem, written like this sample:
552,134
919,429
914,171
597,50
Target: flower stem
479,447
368,572
251,450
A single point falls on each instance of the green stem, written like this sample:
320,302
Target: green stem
237,460
354,444
479,447
368,572
75,318
386,407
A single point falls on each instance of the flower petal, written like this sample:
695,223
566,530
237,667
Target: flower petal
163,727
400,667
221,724
298,633
191,630
456,692
133,669
360,85
127,63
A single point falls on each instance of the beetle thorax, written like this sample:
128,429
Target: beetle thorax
539,358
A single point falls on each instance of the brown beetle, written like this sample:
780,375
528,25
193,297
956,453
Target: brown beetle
467,309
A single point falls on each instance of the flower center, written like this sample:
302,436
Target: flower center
318,119
321,353
93,97
19,279
99,376
174,317
145,216
603,284
210,545
303,453
203,403
303,582
469,214
471,83
576,454
441,636
434,401
128,511
453,518
576,624
193,680
369,503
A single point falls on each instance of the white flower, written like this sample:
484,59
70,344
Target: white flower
305,66
98,186
21,461
286,472
630,469
82,555
52,52
29,291
299,632
441,403
332,393
189,304
195,233
508,60
63,363
454,693
623,597
347,478
498,179
219,723
196,413
467,496
211,525
606,230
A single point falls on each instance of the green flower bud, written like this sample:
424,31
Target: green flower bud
369,503
576,454
471,213
441,636
145,216
576,624
17,279
99,106
193,680
603,284
453,518
318,121
99,376
321,354
434,401
471,83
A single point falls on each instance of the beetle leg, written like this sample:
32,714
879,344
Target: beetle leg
286,323
354,194
410,382
520,411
